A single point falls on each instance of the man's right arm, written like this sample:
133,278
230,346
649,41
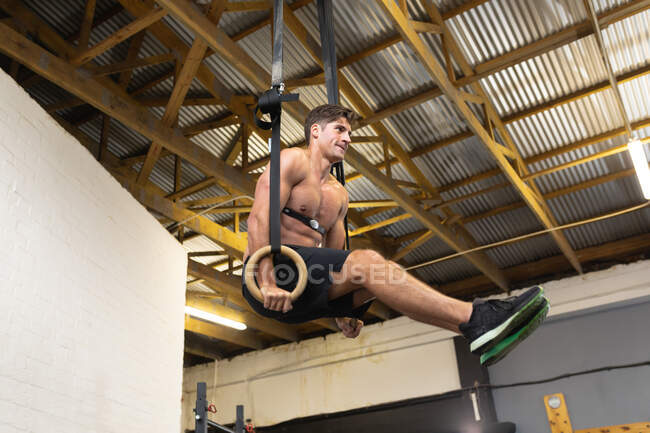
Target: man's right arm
292,172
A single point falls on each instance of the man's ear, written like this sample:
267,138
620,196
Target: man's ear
315,130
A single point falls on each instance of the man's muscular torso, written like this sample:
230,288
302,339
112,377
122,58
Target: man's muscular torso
324,200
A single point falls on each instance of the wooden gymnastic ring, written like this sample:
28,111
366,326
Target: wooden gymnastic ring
251,284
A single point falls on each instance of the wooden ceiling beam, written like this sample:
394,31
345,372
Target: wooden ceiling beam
212,83
198,128
252,320
551,195
193,101
248,6
266,21
122,34
490,67
114,102
439,75
244,338
421,240
86,25
114,68
97,21
520,204
429,220
195,346
219,41
549,266
644,123
182,84
463,8
230,286
319,77
361,164
421,150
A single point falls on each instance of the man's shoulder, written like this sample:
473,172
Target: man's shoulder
295,163
294,154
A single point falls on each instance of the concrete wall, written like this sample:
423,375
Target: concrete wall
91,289
574,340
394,360
401,359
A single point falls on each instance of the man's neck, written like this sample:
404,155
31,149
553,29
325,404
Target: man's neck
319,163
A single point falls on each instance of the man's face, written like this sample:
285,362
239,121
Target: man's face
334,139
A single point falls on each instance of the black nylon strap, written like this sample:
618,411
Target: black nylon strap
274,190
326,24
270,102
328,46
309,222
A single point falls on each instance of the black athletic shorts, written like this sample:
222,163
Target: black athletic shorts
313,303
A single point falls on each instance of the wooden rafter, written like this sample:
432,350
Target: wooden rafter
113,101
86,25
551,265
421,240
530,194
242,338
286,332
132,64
247,6
553,194
223,45
228,49
181,87
512,58
213,84
520,204
644,123
97,21
119,36
227,120
454,240
250,319
421,150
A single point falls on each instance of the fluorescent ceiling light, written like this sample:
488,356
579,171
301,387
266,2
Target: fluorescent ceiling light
640,165
200,314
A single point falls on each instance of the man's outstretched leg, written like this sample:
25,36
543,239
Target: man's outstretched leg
492,327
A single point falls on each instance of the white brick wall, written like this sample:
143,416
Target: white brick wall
91,289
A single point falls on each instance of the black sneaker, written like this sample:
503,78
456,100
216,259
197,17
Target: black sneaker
492,320
516,336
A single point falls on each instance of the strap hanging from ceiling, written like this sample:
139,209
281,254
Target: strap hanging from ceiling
328,46
271,103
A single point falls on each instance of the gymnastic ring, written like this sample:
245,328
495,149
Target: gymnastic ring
251,284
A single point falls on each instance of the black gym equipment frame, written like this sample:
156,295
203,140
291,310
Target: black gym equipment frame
201,421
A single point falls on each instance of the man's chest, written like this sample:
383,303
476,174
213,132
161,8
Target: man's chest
323,202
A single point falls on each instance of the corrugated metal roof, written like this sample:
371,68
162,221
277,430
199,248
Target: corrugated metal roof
494,28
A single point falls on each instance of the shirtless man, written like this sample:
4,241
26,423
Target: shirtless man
342,284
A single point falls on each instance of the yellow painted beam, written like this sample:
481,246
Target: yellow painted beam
244,338
439,75
118,105
557,413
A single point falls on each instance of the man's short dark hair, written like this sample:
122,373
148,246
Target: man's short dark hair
324,114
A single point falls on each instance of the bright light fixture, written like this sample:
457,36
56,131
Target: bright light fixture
640,165
200,314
